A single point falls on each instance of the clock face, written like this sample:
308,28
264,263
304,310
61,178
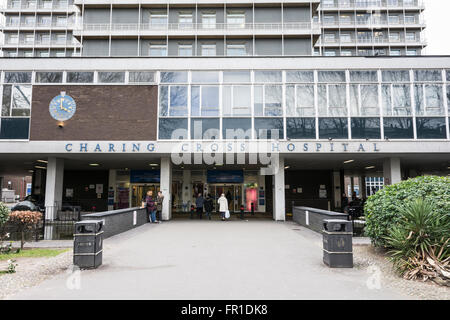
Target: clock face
62,107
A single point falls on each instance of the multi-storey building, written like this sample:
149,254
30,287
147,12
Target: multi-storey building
371,27
211,28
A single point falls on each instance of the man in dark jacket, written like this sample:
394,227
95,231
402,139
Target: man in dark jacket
151,206
208,206
199,204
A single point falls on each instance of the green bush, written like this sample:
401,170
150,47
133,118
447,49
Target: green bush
4,213
382,209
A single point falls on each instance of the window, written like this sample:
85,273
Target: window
330,53
208,20
158,50
236,19
410,36
268,76
299,76
28,54
431,128
205,77
13,39
394,19
346,37
173,129
236,101
345,19
30,20
396,99
29,38
366,128
185,49
398,128
47,4
111,77
395,76
394,37
173,101
268,100
300,100
429,99
411,52
395,52
236,76
364,100
208,49
237,128
45,20
43,54
141,77
16,101
173,77
236,50
60,38
301,128
346,53
334,128
185,20
205,101
14,20
332,100
80,77
331,76
329,19
49,77
410,19
43,38
61,21
330,37
60,53
428,75
158,19
205,129
266,128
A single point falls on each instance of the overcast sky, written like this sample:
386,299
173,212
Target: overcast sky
438,27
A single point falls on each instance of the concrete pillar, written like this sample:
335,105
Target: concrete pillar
111,187
166,188
391,171
37,181
279,201
362,187
54,187
186,187
337,193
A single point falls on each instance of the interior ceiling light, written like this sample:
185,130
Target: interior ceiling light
349,161
371,167
94,164
39,167
153,164
43,161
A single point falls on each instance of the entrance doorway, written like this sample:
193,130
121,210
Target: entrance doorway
138,191
233,193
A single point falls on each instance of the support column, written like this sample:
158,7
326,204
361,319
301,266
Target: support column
391,171
186,192
54,187
166,188
337,193
279,201
362,187
111,188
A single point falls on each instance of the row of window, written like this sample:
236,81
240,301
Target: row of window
372,18
31,4
429,76
301,128
367,3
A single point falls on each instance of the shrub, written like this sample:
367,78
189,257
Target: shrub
382,209
420,242
25,220
4,216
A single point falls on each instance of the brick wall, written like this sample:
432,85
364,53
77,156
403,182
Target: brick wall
103,113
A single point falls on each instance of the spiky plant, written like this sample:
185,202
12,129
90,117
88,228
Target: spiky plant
420,242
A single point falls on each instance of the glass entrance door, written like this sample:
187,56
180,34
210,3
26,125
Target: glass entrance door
138,191
232,192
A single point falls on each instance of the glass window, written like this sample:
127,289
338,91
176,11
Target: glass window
205,101
80,77
185,20
21,101
361,76
178,105
208,50
236,76
17,77
429,100
366,128
205,76
268,76
236,128
266,128
205,129
236,50
236,19
49,77
428,75
6,101
431,128
163,101
208,20
236,101
141,76
268,100
158,19
300,100
174,77
301,128
173,129
332,100
396,100
185,50
331,76
299,76
364,100
395,76
158,50
334,128
398,128
14,128
111,77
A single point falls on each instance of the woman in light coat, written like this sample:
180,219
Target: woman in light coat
223,205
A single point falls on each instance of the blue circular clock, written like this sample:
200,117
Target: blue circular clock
62,107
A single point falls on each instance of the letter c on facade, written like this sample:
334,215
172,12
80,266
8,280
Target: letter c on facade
69,145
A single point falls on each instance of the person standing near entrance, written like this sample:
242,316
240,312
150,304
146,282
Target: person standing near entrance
159,204
208,206
223,205
150,205
199,204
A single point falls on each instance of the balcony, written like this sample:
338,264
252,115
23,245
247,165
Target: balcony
375,23
380,41
64,7
371,4
37,26
297,28
41,44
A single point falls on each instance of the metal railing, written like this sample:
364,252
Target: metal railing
376,4
374,23
188,27
383,40
38,25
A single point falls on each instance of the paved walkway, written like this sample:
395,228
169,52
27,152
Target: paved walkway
214,260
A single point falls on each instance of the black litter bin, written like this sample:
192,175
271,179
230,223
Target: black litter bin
88,244
337,243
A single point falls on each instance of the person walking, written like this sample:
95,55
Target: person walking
151,207
223,205
199,205
208,206
159,204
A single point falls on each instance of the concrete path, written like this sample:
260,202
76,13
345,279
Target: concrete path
214,260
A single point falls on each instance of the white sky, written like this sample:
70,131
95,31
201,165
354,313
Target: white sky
437,31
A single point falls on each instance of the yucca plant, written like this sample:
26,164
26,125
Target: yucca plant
420,242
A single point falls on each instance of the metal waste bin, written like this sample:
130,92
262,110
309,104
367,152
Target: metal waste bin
337,243
88,244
